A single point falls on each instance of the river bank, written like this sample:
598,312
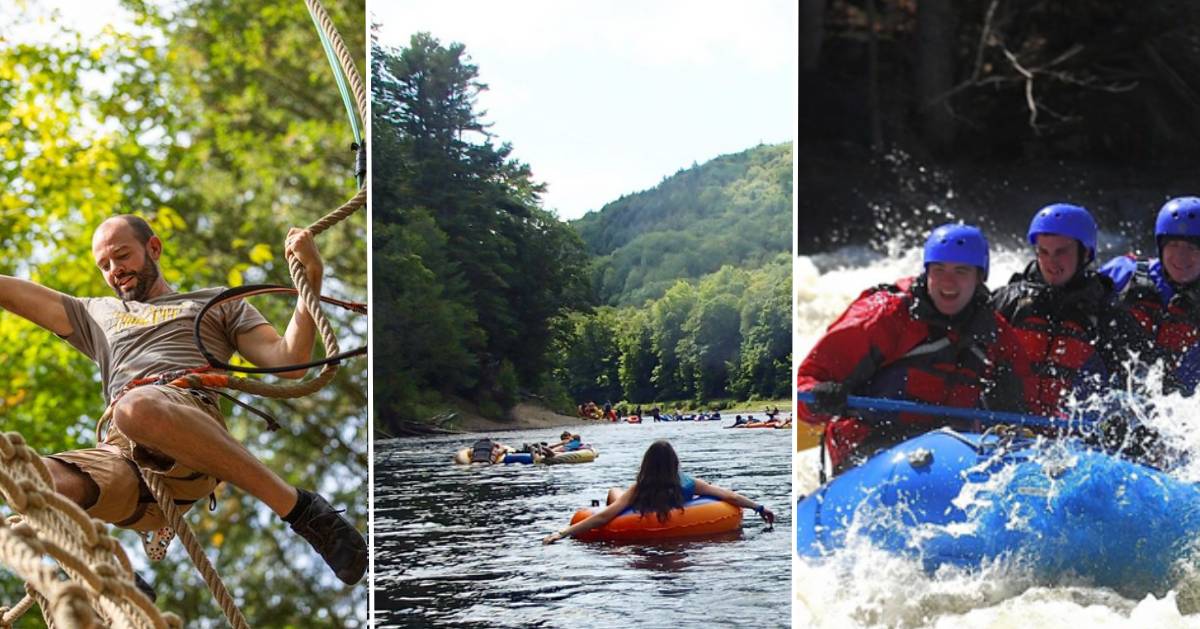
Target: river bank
464,417
523,416
527,415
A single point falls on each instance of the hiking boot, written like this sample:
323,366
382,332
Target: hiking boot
144,587
334,538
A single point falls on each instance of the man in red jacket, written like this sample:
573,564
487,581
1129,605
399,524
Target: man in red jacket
933,339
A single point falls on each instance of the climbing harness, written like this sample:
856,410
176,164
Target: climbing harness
205,379
100,589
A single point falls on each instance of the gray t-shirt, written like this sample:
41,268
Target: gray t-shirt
134,339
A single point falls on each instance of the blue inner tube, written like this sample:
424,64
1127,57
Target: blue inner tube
1063,510
518,457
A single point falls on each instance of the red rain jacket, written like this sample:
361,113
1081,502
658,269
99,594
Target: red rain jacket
891,342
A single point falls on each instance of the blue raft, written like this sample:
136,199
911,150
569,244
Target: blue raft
1064,511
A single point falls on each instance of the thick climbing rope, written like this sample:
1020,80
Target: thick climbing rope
311,300
99,589
194,549
88,581
312,303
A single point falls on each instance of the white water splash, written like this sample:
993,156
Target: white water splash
865,587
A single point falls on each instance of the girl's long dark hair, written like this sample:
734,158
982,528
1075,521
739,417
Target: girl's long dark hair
658,489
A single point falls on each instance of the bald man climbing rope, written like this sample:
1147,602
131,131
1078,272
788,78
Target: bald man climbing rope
146,331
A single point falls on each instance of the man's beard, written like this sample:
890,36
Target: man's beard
146,279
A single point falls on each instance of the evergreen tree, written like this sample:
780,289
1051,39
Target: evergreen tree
468,310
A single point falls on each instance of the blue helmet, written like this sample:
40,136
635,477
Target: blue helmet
1069,220
1179,217
957,244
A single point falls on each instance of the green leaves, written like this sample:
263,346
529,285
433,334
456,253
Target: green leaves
734,210
729,335
469,271
220,123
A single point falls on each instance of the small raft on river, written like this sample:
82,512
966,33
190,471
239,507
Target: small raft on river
585,454
700,517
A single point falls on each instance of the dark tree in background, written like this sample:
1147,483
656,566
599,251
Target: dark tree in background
993,108
470,271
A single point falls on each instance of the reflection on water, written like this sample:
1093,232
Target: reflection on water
457,545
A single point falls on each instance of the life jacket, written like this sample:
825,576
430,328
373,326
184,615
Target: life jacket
943,360
944,371
481,452
1058,328
1171,314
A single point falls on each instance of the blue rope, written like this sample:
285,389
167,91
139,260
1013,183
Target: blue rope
981,414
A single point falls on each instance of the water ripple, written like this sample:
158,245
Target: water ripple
461,546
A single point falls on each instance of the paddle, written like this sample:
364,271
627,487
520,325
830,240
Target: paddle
983,415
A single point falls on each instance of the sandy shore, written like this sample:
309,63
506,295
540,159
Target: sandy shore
524,416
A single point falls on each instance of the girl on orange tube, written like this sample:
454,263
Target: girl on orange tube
660,489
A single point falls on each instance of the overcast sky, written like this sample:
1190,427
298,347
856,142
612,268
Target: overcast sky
606,98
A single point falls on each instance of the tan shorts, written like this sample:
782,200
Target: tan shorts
124,498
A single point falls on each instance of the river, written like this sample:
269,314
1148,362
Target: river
862,587
461,546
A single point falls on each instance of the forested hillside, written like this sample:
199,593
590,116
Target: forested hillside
733,210
483,296
727,335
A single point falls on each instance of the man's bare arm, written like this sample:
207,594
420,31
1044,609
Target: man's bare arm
263,345
36,303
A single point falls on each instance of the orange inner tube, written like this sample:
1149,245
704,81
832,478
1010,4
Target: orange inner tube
700,516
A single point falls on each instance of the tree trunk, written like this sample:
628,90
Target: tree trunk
873,113
812,32
935,71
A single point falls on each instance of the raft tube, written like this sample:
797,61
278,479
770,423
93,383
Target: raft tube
755,425
700,517
463,456
586,454
1063,510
